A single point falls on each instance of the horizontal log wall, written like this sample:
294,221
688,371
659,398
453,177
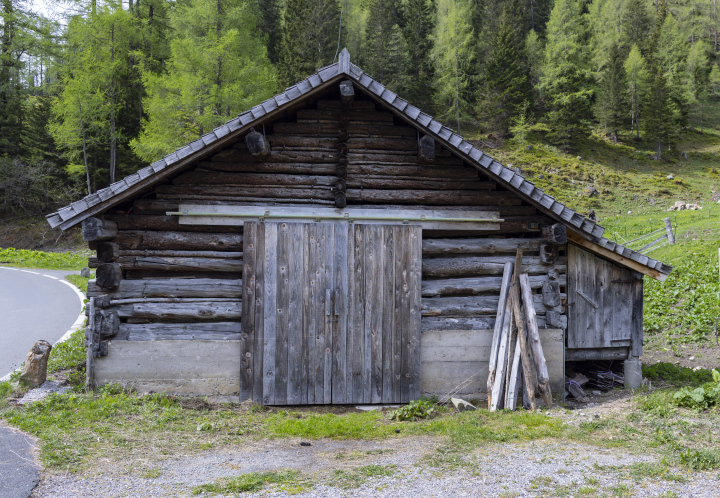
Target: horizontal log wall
185,280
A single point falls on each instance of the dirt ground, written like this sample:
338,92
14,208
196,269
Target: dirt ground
705,355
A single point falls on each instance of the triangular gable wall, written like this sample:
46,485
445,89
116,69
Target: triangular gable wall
589,233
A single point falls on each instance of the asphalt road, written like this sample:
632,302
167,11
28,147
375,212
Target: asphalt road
18,471
33,306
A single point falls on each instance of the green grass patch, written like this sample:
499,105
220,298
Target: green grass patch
78,281
668,372
286,480
24,258
68,354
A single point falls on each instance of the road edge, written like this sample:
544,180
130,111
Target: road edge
79,322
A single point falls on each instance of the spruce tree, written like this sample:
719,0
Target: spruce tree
533,51
610,105
660,117
218,67
419,17
309,38
270,25
637,23
714,81
697,69
506,84
565,80
454,56
385,49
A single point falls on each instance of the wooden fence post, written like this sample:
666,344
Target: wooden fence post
668,229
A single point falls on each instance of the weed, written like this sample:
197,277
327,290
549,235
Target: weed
700,398
586,491
700,459
621,491
254,481
68,354
24,258
419,408
670,373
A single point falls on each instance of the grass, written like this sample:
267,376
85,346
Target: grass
350,479
286,480
79,281
25,258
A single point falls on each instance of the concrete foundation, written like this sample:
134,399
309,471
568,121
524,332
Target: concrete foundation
633,373
452,358
212,368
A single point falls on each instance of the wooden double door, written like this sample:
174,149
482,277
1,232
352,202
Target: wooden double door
331,313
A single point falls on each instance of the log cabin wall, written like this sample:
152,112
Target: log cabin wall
159,280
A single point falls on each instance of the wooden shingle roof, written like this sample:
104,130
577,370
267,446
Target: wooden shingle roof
222,136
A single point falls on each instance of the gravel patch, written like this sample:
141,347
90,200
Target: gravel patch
543,468
47,387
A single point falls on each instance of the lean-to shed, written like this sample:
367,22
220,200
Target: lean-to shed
335,244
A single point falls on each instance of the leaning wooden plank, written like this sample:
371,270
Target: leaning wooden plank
171,287
512,387
527,366
534,339
507,275
496,396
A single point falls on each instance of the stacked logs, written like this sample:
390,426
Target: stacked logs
462,279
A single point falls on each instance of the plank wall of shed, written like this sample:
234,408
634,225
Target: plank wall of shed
461,269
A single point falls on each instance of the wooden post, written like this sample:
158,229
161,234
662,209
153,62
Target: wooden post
89,343
669,230
492,367
534,339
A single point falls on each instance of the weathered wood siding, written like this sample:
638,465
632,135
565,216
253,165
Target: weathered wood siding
605,303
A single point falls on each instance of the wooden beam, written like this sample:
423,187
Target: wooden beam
427,148
96,229
614,257
347,92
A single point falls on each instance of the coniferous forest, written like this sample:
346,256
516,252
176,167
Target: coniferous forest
95,94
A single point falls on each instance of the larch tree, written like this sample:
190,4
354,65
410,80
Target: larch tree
218,67
309,38
714,81
697,69
636,77
534,51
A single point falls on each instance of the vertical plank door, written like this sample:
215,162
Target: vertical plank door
604,303
331,313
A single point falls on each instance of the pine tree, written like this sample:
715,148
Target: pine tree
565,80
506,84
610,99
218,67
534,51
636,75
309,38
419,17
660,117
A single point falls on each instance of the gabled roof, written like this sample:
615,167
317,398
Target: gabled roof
590,234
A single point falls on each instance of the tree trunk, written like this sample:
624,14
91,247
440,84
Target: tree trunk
113,133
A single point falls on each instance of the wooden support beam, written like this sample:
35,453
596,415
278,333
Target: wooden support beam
527,366
498,330
534,339
554,234
108,276
94,229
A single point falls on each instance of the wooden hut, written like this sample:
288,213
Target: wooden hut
335,244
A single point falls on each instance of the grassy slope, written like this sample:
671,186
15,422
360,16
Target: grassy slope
633,195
